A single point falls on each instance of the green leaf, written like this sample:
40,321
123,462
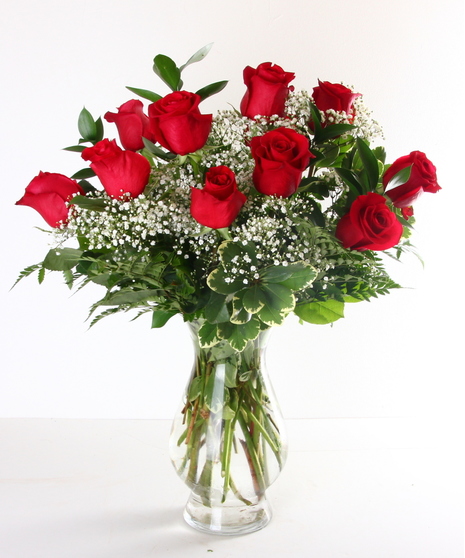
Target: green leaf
208,335
279,302
215,310
87,125
327,156
157,151
75,148
62,259
166,69
129,296
238,335
320,312
100,131
302,276
145,94
254,299
334,130
217,281
211,89
160,317
195,388
351,179
198,56
83,173
370,162
93,204
399,178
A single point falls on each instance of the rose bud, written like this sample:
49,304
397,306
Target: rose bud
120,172
219,202
422,179
48,193
281,156
132,125
177,123
267,90
334,96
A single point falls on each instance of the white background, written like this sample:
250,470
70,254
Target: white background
400,355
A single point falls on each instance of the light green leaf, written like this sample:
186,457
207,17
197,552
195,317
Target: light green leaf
198,56
399,178
320,312
93,204
62,259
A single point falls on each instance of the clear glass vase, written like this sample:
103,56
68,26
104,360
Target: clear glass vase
227,441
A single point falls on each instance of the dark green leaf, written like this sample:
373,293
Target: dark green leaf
370,162
145,94
333,131
166,69
75,148
93,204
211,89
87,126
351,179
83,173
215,310
157,151
160,317
208,335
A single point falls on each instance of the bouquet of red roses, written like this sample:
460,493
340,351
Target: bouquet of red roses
240,218
233,221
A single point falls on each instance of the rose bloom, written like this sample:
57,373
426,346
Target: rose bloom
132,125
48,193
281,156
219,202
267,90
422,179
120,172
177,123
369,225
334,96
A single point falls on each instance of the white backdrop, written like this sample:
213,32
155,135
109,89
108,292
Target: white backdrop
395,356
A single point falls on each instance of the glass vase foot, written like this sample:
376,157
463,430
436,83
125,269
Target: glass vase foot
227,519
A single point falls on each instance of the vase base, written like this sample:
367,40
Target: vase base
227,520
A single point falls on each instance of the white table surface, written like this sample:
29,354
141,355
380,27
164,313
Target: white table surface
356,488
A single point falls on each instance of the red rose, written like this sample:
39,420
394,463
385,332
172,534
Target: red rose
177,123
132,125
120,172
218,204
280,158
48,193
422,179
369,225
267,90
334,96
